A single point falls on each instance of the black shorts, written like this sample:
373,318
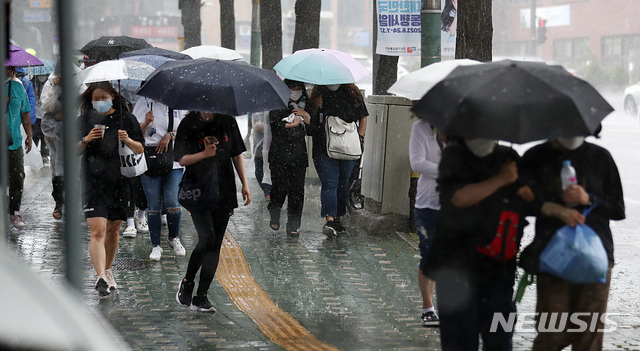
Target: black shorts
99,204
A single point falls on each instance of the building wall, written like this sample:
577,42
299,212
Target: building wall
610,28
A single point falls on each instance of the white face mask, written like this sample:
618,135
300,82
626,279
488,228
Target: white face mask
295,95
571,143
481,147
333,87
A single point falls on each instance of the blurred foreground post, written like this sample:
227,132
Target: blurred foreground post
72,233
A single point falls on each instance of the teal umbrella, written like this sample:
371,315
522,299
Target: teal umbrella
321,66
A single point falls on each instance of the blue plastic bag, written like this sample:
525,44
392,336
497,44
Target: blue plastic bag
577,255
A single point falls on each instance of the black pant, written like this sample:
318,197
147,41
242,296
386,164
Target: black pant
211,226
137,198
58,190
16,179
467,311
287,180
38,137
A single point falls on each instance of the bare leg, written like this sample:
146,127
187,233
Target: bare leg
98,229
426,289
111,242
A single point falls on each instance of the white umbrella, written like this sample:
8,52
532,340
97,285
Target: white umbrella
416,84
214,52
114,70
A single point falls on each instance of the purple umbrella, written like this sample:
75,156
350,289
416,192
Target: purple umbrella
20,58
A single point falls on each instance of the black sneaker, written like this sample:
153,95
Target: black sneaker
201,304
330,228
185,291
103,287
339,227
430,319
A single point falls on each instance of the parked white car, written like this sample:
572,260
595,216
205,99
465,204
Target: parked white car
632,99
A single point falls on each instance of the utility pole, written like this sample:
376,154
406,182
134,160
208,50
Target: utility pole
255,53
255,33
430,32
533,42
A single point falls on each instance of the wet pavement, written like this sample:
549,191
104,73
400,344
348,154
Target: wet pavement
352,292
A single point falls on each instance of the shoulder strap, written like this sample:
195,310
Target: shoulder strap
170,113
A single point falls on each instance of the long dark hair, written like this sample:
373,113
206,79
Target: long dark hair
446,15
352,89
86,104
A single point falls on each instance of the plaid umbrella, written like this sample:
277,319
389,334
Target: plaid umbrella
45,70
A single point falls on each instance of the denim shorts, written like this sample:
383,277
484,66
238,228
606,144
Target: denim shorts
426,221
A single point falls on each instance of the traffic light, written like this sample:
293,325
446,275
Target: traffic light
542,31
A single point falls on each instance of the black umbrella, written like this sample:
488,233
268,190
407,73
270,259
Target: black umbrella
227,87
157,52
109,48
513,101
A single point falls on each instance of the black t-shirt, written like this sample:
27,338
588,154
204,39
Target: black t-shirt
597,174
335,103
288,145
190,140
101,159
461,230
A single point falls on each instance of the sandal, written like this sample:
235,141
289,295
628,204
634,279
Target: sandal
57,212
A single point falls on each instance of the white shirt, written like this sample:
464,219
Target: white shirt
160,122
424,155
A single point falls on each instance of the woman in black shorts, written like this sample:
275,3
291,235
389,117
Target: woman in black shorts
104,123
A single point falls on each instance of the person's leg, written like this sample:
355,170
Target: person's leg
592,299
458,307
111,242
152,187
345,169
278,193
170,196
554,297
496,298
220,219
97,250
16,179
203,222
426,222
296,197
328,172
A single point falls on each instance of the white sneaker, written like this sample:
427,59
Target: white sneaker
164,220
16,220
156,253
130,232
108,276
141,225
177,247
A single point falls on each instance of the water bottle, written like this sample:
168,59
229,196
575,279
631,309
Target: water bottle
567,175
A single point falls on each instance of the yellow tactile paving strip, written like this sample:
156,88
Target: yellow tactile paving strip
282,329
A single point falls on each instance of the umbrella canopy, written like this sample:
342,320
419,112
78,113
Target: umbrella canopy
514,101
151,60
213,52
44,70
114,70
157,52
109,47
414,85
321,66
226,87
20,58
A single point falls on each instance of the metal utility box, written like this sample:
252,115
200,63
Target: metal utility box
386,169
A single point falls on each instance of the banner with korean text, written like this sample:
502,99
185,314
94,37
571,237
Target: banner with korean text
398,27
